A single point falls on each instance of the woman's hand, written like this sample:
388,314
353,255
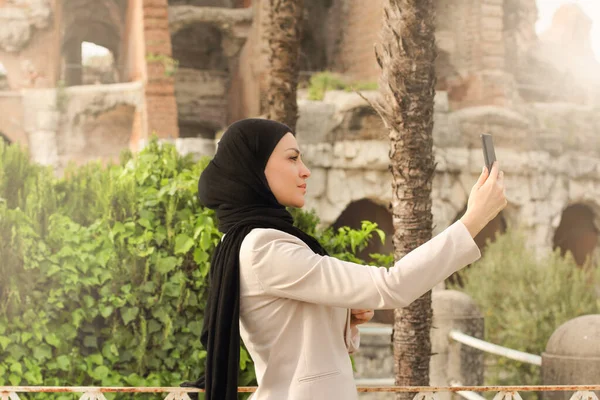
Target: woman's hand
486,200
360,317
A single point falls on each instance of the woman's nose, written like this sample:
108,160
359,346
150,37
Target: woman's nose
305,172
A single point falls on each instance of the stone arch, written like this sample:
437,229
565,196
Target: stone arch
577,233
367,210
487,235
101,22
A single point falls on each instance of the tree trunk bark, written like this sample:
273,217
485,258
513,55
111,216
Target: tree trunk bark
283,38
407,85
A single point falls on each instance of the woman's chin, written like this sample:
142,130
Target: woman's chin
297,204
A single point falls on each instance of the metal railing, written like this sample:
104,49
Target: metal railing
495,349
465,339
582,392
468,341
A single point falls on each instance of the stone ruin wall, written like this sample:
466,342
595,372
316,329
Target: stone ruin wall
547,147
45,106
550,153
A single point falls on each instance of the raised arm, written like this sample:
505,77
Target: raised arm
285,267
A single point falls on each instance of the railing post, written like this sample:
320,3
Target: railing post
178,396
572,356
453,362
96,395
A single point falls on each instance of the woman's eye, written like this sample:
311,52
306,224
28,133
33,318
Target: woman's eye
295,158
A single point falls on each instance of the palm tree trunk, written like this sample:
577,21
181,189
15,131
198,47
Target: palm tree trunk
283,38
407,85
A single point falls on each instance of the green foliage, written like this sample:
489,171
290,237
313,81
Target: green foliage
343,243
324,81
104,271
524,300
170,64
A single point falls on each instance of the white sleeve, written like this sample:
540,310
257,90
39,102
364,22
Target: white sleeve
351,335
286,267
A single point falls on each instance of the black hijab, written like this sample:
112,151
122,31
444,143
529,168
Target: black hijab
235,186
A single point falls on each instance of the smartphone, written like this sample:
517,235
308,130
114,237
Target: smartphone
489,155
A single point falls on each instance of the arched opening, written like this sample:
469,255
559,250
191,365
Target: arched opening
366,210
3,78
92,41
202,80
577,233
487,235
98,65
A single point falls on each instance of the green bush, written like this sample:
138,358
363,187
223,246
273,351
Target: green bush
323,81
524,300
104,271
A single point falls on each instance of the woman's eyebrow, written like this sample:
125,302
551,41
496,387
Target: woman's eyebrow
294,149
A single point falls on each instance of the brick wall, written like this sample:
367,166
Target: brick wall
361,24
161,108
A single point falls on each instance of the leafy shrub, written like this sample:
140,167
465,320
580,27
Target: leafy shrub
104,271
323,81
524,299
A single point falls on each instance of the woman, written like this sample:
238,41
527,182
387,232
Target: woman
293,301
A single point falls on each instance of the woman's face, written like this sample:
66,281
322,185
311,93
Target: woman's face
286,173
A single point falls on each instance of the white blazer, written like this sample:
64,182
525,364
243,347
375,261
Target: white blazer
295,307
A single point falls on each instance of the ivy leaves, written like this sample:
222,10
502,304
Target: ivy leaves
107,271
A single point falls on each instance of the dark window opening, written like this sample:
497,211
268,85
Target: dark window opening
577,233
199,47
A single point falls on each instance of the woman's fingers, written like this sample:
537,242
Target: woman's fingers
362,316
495,172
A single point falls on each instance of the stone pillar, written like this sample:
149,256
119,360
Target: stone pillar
375,358
41,119
572,356
485,79
74,65
454,362
160,67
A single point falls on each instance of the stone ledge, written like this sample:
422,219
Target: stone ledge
181,17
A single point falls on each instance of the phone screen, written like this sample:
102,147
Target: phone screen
489,155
